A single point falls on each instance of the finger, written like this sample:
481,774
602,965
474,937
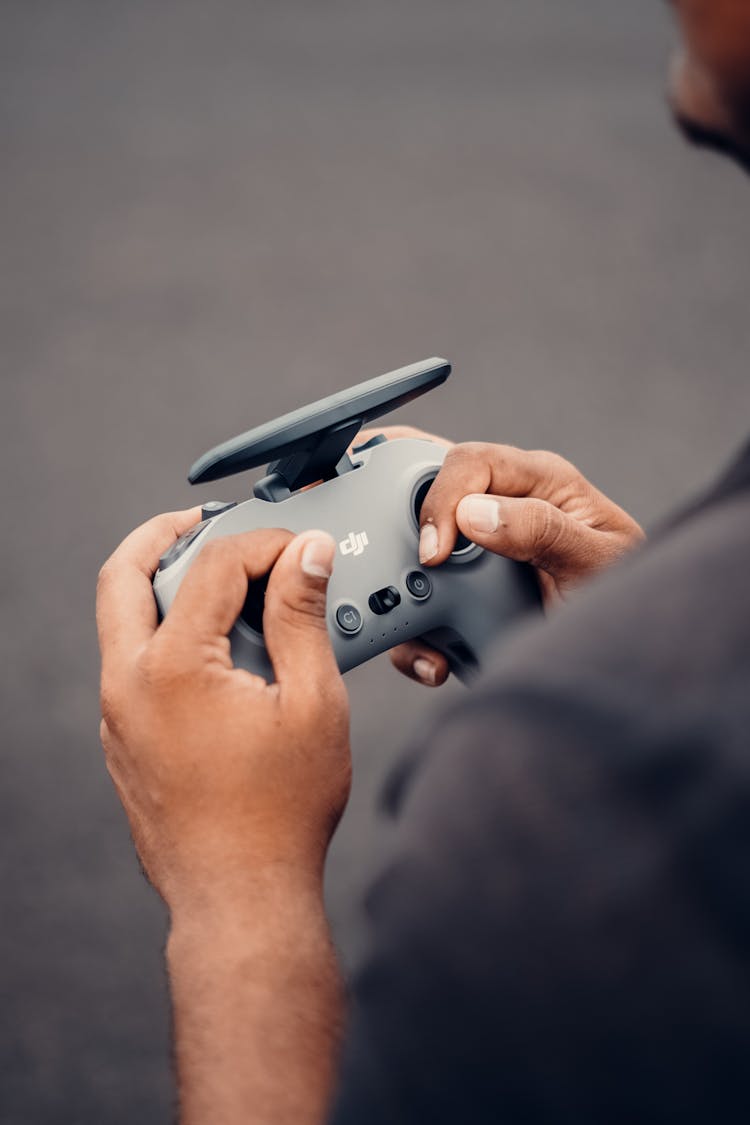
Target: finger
420,662
214,590
535,531
294,621
126,612
475,467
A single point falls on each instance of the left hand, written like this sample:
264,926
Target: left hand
224,778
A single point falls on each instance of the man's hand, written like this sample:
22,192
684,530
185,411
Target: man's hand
531,506
221,774
233,788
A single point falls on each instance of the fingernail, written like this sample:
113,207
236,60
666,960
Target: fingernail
424,670
317,556
428,542
483,513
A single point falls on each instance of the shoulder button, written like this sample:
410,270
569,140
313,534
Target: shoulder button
216,508
181,545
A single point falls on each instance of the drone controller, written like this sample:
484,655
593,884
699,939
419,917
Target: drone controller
369,501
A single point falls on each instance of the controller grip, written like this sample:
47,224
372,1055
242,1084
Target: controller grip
465,644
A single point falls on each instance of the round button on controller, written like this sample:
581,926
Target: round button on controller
418,585
348,618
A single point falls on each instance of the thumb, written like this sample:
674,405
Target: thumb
212,592
294,617
531,530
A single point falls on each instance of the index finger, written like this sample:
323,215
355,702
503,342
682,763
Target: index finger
212,594
126,614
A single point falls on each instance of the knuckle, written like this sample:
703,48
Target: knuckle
466,465
459,466
455,455
163,525
453,463
147,665
557,468
158,666
473,450
542,529
112,707
557,462
216,551
465,453
305,607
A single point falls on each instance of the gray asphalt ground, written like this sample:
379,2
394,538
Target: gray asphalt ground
212,212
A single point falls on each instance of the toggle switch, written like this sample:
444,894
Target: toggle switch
383,601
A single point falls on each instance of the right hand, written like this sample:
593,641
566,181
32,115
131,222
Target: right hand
528,505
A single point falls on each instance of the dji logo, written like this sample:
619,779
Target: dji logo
354,544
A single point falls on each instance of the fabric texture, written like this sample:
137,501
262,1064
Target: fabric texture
562,930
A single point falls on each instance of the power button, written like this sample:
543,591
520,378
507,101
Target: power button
348,618
418,585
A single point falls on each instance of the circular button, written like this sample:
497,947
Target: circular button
348,618
418,585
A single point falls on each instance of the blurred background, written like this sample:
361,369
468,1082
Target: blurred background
213,212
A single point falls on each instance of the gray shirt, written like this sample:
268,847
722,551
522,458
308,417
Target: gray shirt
563,931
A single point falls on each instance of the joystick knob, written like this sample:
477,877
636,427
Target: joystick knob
252,610
462,543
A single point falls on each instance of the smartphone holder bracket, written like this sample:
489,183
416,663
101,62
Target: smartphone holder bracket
311,444
325,459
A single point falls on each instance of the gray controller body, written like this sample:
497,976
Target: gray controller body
379,595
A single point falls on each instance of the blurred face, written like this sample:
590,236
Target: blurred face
710,77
